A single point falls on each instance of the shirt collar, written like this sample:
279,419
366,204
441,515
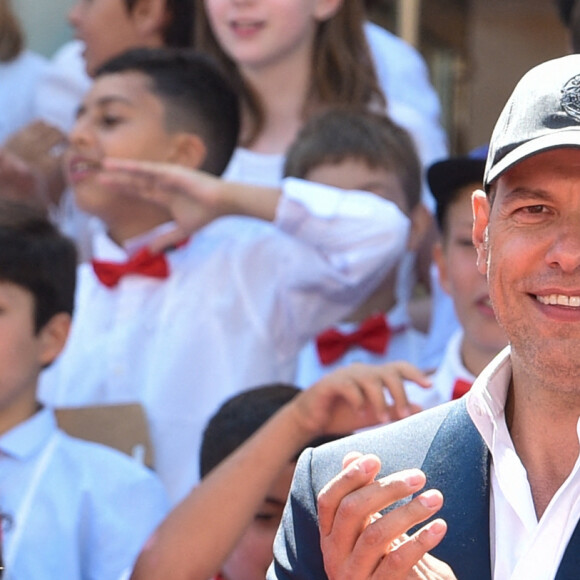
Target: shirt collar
27,438
451,364
487,397
397,317
104,248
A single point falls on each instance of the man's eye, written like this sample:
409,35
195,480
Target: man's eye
534,208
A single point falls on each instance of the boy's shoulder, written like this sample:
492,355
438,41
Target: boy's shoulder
77,468
106,504
110,482
89,460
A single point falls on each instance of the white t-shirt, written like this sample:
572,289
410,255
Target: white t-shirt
404,76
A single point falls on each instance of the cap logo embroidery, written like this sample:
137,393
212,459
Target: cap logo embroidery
571,97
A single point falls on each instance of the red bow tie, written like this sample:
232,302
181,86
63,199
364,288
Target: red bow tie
373,335
143,263
460,388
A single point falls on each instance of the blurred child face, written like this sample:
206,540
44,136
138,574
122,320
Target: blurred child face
120,117
461,279
356,174
260,33
22,354
252,555
107,29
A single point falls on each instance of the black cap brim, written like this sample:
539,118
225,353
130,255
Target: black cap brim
445,177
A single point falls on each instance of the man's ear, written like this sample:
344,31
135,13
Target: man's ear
422,222
52,337
188,150
481,209
151,17
326,9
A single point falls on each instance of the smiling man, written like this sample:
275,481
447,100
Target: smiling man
505,457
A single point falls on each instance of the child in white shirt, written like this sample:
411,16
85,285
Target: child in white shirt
480,338
242,295
364,151
74,509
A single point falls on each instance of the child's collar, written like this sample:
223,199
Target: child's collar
133,245
105,248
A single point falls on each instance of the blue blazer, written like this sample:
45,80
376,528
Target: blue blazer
445,444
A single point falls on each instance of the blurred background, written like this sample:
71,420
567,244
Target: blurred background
476,49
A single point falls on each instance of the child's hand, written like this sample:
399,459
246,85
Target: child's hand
17,180
354,397
192,197
32,163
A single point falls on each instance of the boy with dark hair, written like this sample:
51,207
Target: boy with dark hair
233,424
77,510
31,161
181,330
249,453
364,151
197,100
238,418
480,338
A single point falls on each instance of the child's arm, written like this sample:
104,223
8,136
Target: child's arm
200,532
193,197
336,246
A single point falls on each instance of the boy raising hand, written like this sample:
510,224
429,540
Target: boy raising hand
182,330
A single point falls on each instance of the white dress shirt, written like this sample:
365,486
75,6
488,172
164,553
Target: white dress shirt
406,344
412,102
258,168
63,86
404,76
522,547
79,511
19,81
243,297
443,379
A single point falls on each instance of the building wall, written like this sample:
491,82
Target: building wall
44,22
505,39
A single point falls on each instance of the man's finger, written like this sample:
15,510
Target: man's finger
357,473
410,560
348,506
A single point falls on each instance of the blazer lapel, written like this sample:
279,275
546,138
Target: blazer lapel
570,565
458,465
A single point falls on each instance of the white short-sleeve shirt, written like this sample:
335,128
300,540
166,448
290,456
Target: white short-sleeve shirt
78,510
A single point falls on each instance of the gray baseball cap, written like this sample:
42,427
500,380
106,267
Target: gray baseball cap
542,113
